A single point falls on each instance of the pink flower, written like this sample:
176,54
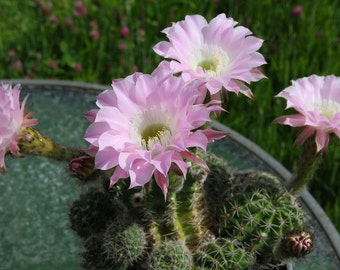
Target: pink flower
145,125
93,24
134,68
78,5
12,120
122,46
47,8
78,67
69,21
53,19
94,34
124,31
79,9
11,53
317,101
17,64
297,11
53,64
218,53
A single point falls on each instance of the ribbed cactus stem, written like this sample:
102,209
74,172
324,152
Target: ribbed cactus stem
173,223
166,224
222,253
210,220
186,213
169,255
32,142
124,243
306,167
258,212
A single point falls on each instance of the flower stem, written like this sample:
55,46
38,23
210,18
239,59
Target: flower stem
32,142
306,167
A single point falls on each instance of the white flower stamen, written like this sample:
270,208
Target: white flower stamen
161,137
212,59
152,127
327,108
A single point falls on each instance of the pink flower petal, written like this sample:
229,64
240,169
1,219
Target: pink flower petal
304,135
106,159
124,132
178,160
163,161
91,115
162,182
95,130
140,173
12,119
295,120
190,156
213,135
317,101
194,41
322,140
118,174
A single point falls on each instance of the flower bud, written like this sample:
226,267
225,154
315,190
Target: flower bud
294,244
298,243
82,167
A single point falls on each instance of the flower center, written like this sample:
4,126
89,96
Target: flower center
152,127
155,134
209,65
327,108
212,59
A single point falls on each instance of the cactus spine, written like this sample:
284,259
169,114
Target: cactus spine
216,220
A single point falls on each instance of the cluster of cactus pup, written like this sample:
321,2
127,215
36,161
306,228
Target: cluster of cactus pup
216,220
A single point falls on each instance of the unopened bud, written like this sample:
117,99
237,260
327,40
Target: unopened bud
295,244
299,243
82,167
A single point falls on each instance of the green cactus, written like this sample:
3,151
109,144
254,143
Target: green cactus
209,192
169,255
258,212
224,254
93,210
94,256
251,208
124,243
215,220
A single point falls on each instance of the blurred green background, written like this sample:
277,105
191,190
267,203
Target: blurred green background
98,40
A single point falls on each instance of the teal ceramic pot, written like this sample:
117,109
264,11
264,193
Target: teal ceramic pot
35,193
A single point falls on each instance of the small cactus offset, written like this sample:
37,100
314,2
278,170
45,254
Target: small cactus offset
210,220
124,243
169,255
